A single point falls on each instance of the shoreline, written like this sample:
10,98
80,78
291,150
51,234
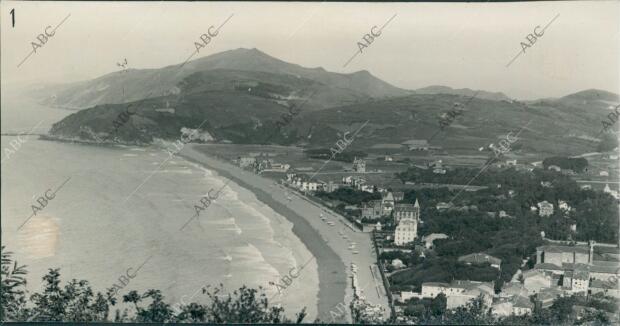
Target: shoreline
333,279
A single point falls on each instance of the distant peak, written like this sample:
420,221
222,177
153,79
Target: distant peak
248,51
593,94
362,72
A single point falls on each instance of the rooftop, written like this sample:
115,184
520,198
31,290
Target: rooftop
522,302
480,257
594,268
560,248
533,273
548,266
404,208
604,284
463,284
434,236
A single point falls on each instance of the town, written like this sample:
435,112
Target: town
555,258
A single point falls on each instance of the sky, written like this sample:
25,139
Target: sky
461,45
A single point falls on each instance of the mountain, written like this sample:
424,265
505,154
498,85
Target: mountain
590,98
250,113
438,89
593,95
247,96
131,85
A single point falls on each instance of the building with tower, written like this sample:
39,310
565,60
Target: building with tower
407,224
359,165
406,211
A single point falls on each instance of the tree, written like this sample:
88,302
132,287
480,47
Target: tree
76,302
245,305
13,287
439,304
608,143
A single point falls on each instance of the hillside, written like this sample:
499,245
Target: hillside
438,89
241,95
247,112
395,120
136,84
590,98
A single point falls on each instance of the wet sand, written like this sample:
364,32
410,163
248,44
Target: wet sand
333,279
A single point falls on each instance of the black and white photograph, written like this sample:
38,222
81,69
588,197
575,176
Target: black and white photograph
418,163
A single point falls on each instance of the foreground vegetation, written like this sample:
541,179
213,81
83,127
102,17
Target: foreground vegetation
77,302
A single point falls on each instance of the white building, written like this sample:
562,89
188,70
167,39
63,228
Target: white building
407,228
406,231
545,208
515,305
459,293
309,186
613,193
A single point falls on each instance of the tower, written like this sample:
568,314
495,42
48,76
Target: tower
416,210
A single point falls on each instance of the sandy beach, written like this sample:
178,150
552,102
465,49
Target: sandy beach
330,245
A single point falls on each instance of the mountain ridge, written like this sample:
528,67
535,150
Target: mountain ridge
136,84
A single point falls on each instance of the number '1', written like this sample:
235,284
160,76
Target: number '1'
13,16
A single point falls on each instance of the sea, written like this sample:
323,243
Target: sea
104,213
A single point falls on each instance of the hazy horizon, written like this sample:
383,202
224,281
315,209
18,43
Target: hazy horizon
433,43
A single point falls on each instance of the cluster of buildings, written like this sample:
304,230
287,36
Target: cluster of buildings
458,292
406,217
304,183
582,268
376,209
512,300
560,270
546,208
261,163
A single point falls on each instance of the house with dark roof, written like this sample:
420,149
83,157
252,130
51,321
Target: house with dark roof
372,210
558,254
406,211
